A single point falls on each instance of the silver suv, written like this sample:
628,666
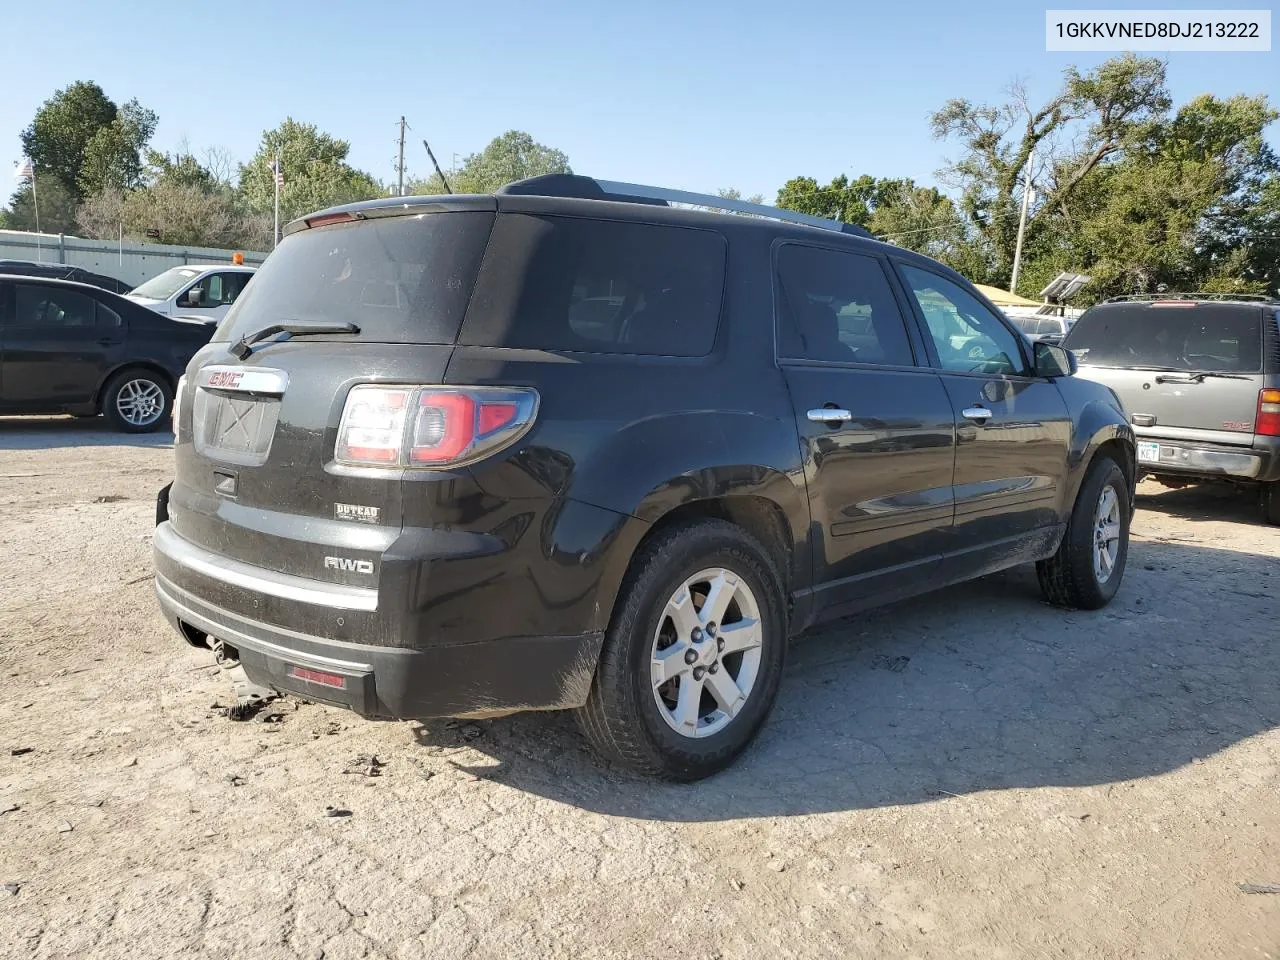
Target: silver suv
1200,377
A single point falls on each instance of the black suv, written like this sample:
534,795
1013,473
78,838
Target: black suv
570,446
74,348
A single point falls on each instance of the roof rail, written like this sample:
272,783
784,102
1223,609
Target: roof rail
573,185
1249,297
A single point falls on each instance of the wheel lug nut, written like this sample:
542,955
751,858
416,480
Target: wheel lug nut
720,643
699,672
714,667
711,628
690,656
696,634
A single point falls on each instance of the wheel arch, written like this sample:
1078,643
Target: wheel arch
150,366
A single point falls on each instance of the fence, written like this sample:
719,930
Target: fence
134,263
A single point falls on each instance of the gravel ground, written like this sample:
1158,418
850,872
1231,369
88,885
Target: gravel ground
972,774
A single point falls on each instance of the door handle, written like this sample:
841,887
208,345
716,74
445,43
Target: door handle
829,415
108,342
976,414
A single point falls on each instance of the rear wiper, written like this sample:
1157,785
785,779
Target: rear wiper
243,347
1197,376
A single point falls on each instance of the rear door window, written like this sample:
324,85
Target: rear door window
1200,337
598,286
838,307
403,279
39,307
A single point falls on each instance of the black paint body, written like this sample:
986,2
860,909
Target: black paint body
495,583
52,368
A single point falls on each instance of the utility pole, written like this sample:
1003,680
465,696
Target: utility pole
400,164
1022,222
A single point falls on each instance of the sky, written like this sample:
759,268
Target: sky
696,95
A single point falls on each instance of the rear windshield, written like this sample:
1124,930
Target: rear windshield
598,286
1038,326
401,279
1208,337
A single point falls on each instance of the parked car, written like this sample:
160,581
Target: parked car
1035,328
1200,375
74,348
199,291
62,271
563,447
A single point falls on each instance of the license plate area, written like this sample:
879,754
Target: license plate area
1148,451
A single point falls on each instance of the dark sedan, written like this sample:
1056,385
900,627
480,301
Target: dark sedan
63,271
74,348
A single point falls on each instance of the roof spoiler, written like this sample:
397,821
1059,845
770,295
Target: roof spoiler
588,188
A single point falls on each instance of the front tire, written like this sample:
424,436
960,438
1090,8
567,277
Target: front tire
137,401
693,656
1086,571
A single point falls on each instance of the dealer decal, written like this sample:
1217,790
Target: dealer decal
357,512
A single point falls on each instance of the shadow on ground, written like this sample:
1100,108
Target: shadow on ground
997,690
50,433
1208,501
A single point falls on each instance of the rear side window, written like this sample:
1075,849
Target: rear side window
400,279
838,307
51,308
598,286
1209,337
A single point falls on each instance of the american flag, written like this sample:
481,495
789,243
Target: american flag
279,174
23,170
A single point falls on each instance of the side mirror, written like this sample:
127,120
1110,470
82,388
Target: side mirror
1054,361
193,297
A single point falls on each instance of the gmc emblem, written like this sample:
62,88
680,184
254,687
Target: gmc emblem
225,378
348,565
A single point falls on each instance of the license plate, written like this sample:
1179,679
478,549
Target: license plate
1148,452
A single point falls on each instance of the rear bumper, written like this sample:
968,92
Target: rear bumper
435,680
1260,462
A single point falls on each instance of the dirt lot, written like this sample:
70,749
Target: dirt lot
974,774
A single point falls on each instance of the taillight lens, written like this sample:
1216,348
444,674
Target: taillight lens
1268,422
428,426
175,414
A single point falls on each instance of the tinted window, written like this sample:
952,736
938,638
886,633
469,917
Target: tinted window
108,317
1199,337
52,307
563,283
838,306
401,279
967,335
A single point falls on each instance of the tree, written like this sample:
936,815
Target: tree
57,207
316,173
80,137
113,156
849,201
1095,118
514,155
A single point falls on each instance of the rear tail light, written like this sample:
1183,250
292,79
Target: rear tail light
425,426
176,413
1268,422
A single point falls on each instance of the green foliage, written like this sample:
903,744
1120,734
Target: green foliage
57,207
512,156
80,137
113,155
316,173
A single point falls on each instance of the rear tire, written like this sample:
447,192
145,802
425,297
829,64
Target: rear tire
1271,502
137,401
1085,573
691,724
